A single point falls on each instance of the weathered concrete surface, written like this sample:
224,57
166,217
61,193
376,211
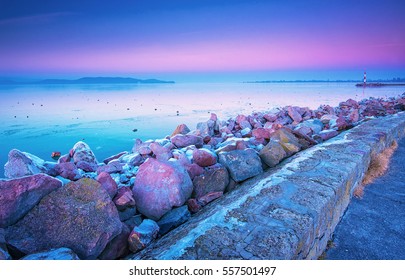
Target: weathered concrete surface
373,227
289,212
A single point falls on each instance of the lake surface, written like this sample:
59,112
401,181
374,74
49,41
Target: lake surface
40,119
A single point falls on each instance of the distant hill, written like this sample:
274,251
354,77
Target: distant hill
89,80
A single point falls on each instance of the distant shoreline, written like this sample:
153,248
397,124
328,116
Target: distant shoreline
379,84
88,80
382,82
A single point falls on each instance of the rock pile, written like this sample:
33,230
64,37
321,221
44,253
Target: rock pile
79,207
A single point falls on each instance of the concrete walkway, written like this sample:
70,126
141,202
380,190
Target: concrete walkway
374,227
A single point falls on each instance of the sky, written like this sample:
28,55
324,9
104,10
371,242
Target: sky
205,40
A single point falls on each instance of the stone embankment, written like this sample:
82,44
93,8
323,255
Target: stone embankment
165,198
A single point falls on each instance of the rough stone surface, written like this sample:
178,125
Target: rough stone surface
108,183
287,140
181,129
68,170
114,166
182,141
4,255
159,186
124,198
241,164
173,219
142,235
288,212
86,166
204,157
117,247
272,153
18,196
21,164
80,216
82,152
54,254
214,179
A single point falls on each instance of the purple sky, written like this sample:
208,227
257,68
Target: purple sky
181,39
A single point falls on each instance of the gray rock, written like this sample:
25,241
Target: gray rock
143,235
241,164
272,153
21,164
159,186
173,219
18,196
54,254
214,179
80,216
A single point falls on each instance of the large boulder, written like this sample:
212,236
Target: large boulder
21,164
18,196
181,141
79,216
54,254
272,153
82,152
159,186
214,179
241,164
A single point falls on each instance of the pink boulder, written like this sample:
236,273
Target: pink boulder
159,186
204,157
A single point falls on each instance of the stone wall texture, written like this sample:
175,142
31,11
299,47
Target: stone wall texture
287,212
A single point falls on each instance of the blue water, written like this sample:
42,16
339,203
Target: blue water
40,119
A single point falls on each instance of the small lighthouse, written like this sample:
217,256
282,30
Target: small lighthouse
365,78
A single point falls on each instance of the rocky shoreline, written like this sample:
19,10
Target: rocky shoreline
80,208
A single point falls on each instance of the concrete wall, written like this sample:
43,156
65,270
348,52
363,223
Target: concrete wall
289,212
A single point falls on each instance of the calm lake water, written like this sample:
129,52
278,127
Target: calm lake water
40,119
